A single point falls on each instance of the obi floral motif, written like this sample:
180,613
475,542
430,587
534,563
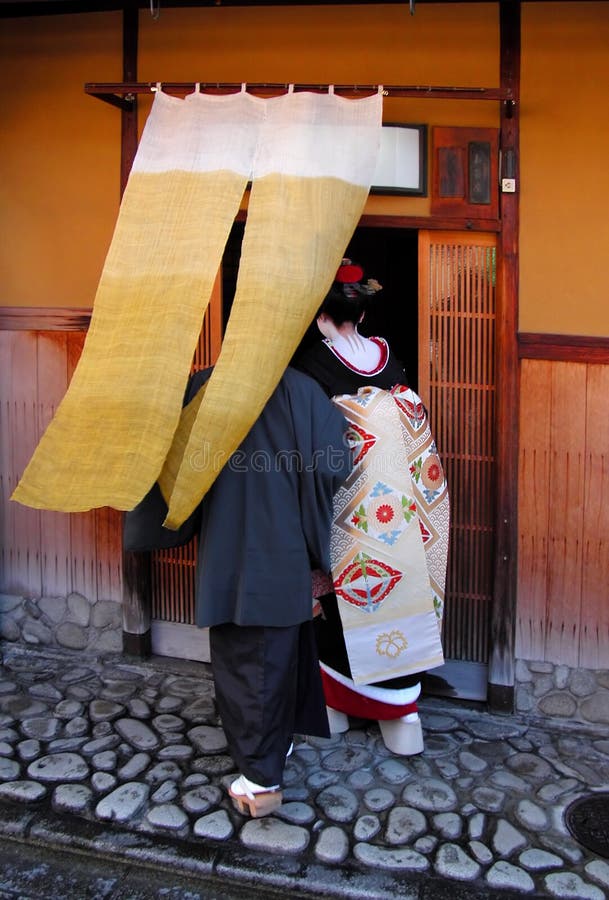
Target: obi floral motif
366,582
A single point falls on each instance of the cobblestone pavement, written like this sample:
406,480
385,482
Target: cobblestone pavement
126,760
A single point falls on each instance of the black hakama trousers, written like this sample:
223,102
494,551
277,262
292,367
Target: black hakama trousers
268,688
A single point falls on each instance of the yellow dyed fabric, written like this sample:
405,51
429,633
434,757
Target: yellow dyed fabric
120,426
112,432
295,237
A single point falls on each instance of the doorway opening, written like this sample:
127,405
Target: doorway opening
391,256
437,312
388,254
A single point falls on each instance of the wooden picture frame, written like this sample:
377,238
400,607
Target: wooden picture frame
402,162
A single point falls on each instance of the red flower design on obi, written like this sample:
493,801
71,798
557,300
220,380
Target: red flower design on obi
431,472
384,513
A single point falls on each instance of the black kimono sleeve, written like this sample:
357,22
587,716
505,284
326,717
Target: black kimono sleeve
327,461
143,526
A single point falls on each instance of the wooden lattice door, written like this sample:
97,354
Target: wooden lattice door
172,575
457,291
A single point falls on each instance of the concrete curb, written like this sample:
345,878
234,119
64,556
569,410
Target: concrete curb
224,866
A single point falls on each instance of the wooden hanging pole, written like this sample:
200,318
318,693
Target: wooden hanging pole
123,94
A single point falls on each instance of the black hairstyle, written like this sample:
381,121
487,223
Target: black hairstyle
349,297
343,304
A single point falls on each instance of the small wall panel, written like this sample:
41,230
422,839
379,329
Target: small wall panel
563,570
46,553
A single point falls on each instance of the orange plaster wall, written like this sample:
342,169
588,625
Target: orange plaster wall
60,149
564,223
59,157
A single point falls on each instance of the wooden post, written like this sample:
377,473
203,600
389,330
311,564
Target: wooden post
136,566
136,604
129,116
503,620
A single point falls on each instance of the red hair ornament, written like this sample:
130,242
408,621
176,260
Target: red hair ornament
349,273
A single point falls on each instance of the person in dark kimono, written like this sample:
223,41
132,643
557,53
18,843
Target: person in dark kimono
263,525
343,362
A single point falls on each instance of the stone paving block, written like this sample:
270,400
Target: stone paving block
452,862
401,858
332,845
59,767
505,875
216,826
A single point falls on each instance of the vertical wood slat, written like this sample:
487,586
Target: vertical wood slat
52,382
456,381
533,509
173,571
594,630
83,553
21,530
566,513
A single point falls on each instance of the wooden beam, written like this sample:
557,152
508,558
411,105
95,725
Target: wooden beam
564,348
18,8
503,618
40,318
429,223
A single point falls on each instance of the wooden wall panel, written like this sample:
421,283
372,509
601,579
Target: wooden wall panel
46,553
563,570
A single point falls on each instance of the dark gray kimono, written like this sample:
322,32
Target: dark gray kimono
264,524
266,520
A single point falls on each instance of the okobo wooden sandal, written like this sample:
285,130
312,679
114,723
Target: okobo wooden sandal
253,799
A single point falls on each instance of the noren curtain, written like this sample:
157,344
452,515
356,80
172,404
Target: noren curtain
310,159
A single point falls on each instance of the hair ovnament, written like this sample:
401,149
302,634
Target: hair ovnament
349,296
